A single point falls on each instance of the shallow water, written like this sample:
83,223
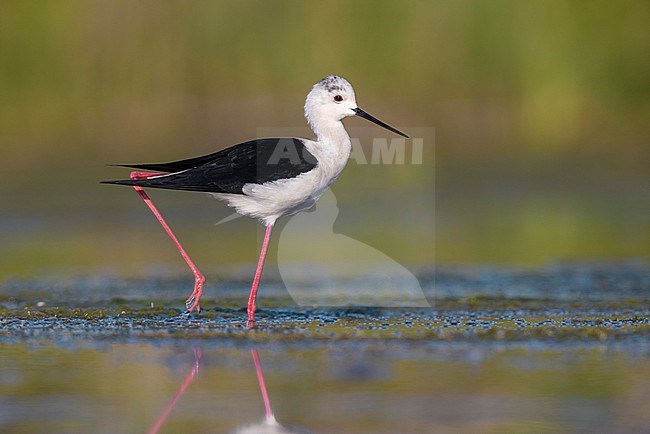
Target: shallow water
565,349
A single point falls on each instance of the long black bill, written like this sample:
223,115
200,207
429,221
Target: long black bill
373,119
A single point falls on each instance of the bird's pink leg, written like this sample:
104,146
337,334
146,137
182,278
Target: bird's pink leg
260,379
199,280
258,273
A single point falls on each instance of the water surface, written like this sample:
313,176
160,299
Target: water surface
327,387
559,349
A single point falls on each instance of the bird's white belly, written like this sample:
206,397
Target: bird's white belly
271,200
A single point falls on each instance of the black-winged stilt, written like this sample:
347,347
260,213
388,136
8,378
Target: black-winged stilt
264,178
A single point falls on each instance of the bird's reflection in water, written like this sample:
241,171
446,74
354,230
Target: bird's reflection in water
269,425
198,359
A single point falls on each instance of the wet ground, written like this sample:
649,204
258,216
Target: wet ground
565,348
560,302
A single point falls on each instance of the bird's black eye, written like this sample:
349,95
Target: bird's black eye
338,98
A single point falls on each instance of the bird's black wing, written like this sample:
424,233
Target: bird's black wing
257,161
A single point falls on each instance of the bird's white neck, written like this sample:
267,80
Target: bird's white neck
332,136
332,149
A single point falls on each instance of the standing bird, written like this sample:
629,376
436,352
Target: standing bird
264,178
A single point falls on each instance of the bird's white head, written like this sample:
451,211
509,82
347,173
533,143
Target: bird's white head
331,100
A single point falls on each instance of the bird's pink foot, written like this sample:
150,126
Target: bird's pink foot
194,298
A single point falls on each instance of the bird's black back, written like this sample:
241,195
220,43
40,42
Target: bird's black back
257,162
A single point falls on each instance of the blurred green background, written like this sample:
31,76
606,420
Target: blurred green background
540,110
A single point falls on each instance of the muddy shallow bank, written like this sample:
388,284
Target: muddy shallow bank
582,302
323,324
